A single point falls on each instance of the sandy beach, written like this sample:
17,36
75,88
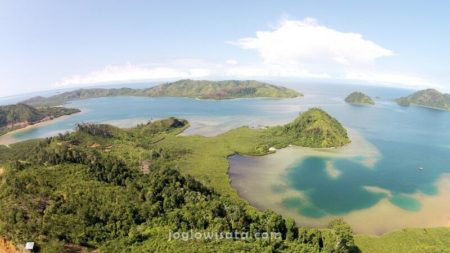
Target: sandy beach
8,138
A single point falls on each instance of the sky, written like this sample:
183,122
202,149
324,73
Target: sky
57,44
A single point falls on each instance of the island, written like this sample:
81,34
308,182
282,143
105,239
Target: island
201,89
107,189
359,98
13,117
430,98
314,128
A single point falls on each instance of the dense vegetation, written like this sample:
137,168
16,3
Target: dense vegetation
183,88
359,98
313,128
221,89
19,115
417,240
126,190
427,98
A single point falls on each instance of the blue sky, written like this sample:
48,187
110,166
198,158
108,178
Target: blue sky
52,44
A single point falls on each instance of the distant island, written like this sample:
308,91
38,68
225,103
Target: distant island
359,98
18,116
201,89
427,98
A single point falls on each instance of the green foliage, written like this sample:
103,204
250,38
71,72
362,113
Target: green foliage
18,113
65,191
359,98
101,130
343,237
162,126
313,128
12,116
182,88
430,240
220,90
427,98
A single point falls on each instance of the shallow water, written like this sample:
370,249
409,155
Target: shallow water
408,173
393,174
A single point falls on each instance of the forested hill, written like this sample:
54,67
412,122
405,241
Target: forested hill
427,98
359,98
184,88
20,115
221,89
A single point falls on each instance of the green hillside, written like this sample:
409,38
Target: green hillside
220,89
313,128
183,88
126,190
359,98
427,98
19,115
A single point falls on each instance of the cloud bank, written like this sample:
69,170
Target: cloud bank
301,49
308,42
129,72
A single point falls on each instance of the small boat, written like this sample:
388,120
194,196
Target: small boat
420,168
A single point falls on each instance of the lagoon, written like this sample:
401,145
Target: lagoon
394,174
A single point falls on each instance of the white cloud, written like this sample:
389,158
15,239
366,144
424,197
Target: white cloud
129,72
307,42
392,79
231,62
272,70
295,49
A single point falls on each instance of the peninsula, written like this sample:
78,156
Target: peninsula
430,98
13,117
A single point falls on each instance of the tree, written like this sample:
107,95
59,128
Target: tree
343,235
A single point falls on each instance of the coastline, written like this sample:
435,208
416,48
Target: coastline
430,107
8,138
259,181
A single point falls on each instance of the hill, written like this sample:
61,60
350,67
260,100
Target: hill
359,98
427,98
313,128
20,115
184,88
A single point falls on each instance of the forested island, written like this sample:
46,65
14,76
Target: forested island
359,98
18,116
201,89
430,98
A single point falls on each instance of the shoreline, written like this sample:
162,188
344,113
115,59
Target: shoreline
258,180
8,138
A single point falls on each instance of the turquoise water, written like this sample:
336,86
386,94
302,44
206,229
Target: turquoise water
414,143
414,153
206,116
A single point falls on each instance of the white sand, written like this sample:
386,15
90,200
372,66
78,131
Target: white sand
8,138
